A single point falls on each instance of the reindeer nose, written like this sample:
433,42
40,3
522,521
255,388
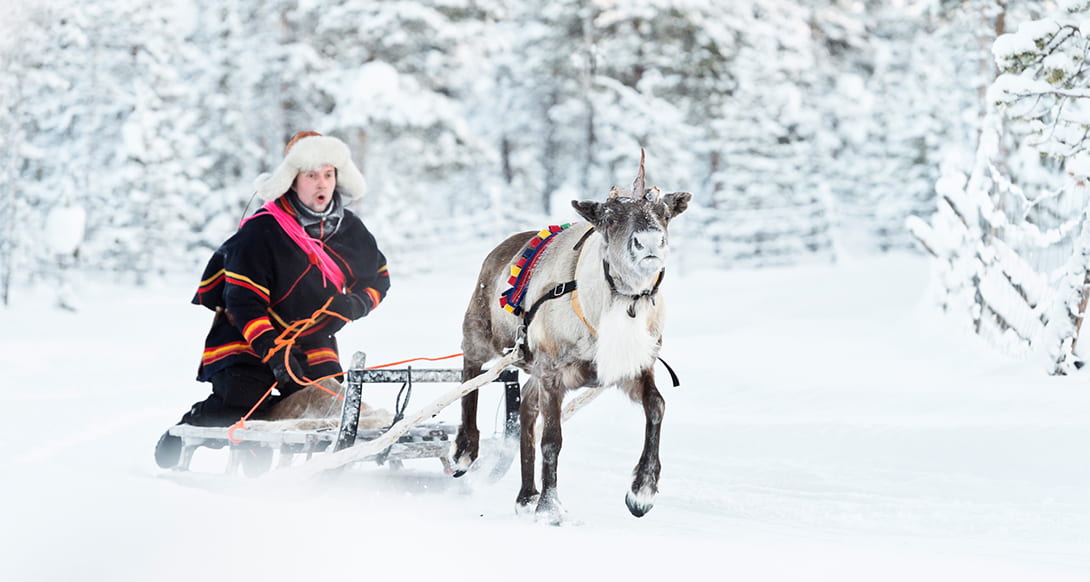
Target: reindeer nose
649,242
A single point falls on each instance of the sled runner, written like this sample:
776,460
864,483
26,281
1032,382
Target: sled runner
252,447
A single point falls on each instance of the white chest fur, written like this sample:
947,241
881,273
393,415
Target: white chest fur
626,345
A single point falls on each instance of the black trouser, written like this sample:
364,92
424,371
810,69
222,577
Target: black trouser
235,390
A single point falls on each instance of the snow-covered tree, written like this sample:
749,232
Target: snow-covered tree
395,82
1012,238
72,103
241,125
541,74
768,208
883,165
1044,92
794,124
19,34
162,158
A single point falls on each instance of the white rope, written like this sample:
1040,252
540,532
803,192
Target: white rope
574,405
580,401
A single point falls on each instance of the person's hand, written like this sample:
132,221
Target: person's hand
284,370
350,305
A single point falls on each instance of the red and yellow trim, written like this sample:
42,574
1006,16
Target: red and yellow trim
322,356
211,282
256,328
374,295
215,354
247,283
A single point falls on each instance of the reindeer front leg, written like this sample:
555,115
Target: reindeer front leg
645,483
551,395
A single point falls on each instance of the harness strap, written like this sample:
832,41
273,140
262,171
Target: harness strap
650,293
673,375
558,291
578,309
583,239
613,285
575,305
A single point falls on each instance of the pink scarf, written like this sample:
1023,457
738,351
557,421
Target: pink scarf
331,272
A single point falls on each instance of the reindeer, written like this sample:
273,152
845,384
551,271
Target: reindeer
607,331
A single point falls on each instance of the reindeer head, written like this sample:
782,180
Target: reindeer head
634,225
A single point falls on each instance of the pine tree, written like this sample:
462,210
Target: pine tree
542,67
19,34
767,208
1012,238
241,126
72,105
161,154
394,81
884,165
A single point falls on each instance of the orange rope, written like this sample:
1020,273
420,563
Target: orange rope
285,341
412,360
242,421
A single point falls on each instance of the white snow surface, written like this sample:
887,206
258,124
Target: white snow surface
829,426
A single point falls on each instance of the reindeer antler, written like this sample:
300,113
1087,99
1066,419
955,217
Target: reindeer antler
638,187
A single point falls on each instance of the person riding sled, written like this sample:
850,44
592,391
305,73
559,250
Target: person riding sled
301,250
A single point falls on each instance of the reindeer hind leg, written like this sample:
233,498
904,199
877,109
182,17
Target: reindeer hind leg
528,412
548,504
467,442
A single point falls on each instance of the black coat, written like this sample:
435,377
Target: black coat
259,282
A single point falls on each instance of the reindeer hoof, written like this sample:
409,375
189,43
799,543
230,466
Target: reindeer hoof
526,501
461,459
640,503
460,466
549,510
525,505
552,515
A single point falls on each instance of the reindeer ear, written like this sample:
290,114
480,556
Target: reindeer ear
588,209
676,203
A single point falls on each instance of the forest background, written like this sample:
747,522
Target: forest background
808,131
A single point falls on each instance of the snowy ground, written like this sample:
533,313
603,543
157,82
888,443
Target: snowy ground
828,428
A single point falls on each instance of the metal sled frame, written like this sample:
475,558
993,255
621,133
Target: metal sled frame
254,450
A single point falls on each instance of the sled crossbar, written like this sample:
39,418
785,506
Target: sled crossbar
358,375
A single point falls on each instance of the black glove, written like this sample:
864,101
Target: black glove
350,305
294,363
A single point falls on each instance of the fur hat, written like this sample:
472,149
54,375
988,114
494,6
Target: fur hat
310,150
